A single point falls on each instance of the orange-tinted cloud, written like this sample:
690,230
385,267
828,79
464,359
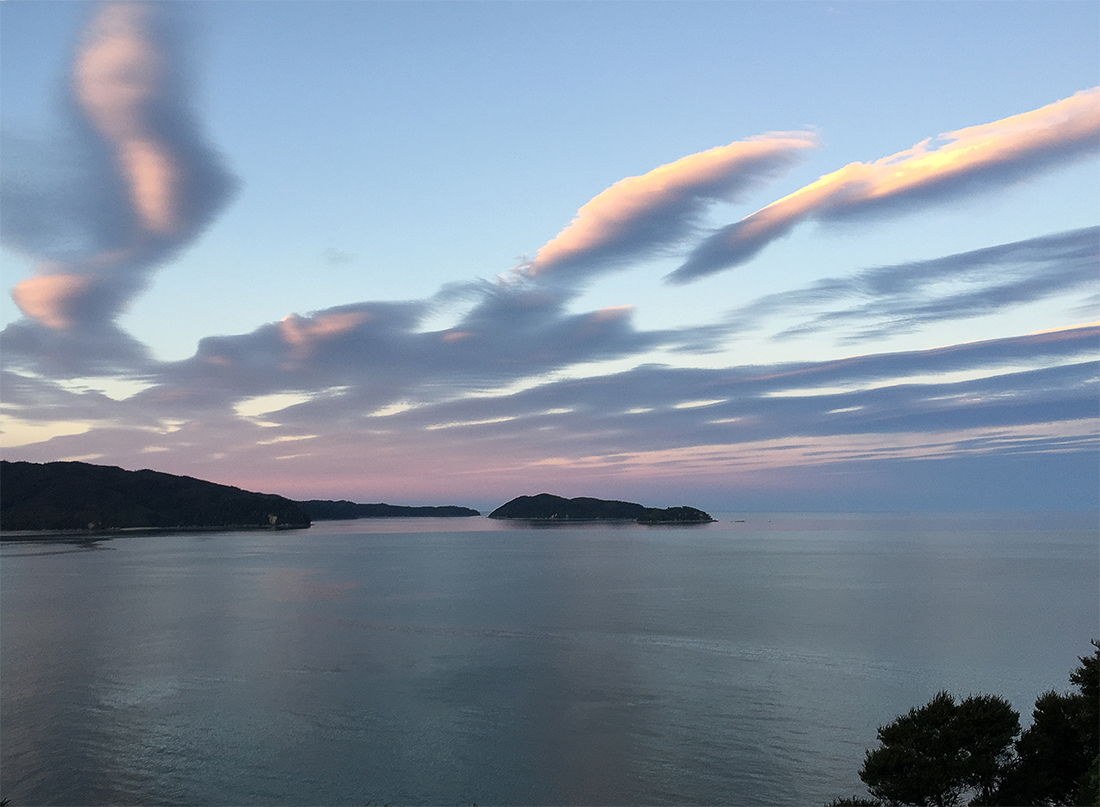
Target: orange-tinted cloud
51,299
303,334
119,77
126,84
994,152
660,208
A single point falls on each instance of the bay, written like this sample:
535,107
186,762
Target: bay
426,661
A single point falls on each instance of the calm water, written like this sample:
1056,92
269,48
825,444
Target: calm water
394,663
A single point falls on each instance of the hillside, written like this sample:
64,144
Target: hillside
323,510
674,515
547,507
82,496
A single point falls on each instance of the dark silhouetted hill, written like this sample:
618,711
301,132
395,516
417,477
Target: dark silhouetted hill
674,515
320,510
82,496
547,507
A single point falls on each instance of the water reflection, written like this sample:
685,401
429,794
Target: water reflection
29,547
746,664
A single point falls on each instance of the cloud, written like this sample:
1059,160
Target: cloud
148,182
962,162
1029,394
102,350
638,215
899,298
636,424
653,405
776,400
495,394
305,335
51,298
352,363
377,354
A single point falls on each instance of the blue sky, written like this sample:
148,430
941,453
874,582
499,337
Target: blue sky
740,255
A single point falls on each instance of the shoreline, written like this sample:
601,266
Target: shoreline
115,532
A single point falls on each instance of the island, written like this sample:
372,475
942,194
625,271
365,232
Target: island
675,515
547,507
80,496
324,510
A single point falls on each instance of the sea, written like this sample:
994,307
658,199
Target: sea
478,662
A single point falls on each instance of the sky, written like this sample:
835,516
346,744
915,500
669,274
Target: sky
743,256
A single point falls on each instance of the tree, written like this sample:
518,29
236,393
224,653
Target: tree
942,751
1057,755
936,754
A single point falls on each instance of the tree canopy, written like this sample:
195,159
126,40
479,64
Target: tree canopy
937,753
1055,755
945,752
82,496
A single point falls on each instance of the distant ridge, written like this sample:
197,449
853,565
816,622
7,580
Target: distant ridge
62,496
323,510
547,507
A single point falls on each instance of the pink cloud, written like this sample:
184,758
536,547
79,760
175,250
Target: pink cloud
52,299
125,83
302,332
661,207
998,151
119,77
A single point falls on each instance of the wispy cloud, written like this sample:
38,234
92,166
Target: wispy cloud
888,300
379,355
352,364
858,393
660,209
146,180
512,388
956,163
1034,393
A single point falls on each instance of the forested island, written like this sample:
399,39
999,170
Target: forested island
80,496
547,507
64,496
324,510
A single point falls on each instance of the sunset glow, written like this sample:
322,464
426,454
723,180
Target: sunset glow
364,320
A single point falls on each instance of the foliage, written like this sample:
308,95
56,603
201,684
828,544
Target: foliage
1089,792
582,508
935,754
325,510
674,515
547,507
943,751
81,496
1055,754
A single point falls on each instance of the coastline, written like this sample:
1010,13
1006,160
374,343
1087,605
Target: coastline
115,532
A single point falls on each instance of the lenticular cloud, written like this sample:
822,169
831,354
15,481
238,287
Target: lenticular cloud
661,208
969,159
156,186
